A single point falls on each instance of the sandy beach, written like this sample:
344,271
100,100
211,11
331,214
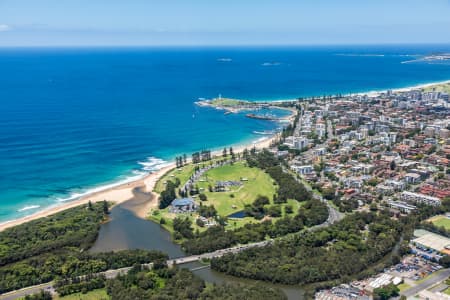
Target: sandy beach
405,89
124,192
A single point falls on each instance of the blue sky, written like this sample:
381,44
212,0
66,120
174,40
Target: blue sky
222,22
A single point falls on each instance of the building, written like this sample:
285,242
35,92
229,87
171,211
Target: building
395,184
183,205
420,198
303,170
402,206
412,178
429,240
300,143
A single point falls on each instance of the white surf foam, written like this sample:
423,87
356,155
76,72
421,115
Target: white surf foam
152,164
28,207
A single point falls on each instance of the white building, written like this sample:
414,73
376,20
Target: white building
402,206
301,143
303,170
420,198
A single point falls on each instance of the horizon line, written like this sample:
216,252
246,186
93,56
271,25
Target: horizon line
225,45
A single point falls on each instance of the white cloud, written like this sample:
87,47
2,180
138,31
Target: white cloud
4,27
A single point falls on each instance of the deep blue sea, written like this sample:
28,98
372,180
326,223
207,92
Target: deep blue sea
73,120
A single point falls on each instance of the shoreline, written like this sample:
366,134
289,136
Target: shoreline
403,89
369,93
124,192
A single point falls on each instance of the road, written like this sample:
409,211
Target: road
218,253
333,214
28,291
434,279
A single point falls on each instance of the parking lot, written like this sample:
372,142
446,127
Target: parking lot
414,267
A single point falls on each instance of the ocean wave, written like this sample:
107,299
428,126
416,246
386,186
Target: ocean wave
225,59
151,165
28,207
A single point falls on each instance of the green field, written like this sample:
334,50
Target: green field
441,221
256,182
259,183
99,294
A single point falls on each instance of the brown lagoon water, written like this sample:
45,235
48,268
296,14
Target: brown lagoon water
127,231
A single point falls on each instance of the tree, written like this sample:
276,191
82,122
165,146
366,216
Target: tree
224,152
202,197
386,292
288,209
392,165
232,153
42,295
105,207
183,226
199,222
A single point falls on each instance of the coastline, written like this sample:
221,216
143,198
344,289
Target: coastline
404,89
124,192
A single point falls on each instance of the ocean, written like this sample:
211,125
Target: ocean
73,120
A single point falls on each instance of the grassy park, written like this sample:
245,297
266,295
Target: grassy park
253,182
441,221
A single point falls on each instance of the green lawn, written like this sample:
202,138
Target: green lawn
257,183
447,291
99,294
442,221
182,173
